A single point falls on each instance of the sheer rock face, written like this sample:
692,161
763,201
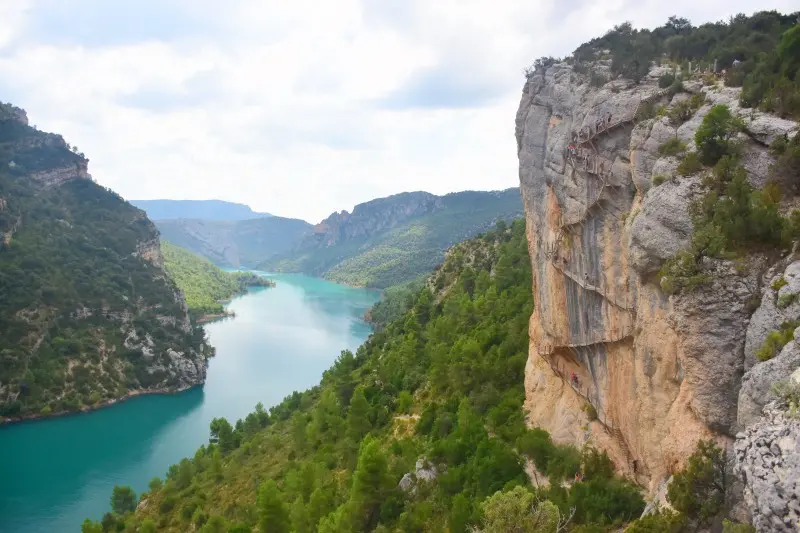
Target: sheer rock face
150,250
661,371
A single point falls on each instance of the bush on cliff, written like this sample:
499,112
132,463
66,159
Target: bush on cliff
698,491
672,147
666,80
715,134
730,219
776,340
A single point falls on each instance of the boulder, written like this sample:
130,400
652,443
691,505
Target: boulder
663,226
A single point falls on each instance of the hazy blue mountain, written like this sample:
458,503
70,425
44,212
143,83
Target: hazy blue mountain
197,209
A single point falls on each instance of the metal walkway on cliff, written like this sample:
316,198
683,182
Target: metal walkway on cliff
591,162
588,133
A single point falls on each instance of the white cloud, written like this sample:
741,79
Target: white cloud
297,108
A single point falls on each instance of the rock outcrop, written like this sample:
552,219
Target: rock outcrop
58,176
768,462
779,309
661,371
10,112
150,251
757,383
372,217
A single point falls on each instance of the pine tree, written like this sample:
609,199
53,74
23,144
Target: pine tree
358,423
273,516
371,484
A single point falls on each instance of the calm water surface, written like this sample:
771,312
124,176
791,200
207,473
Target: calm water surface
55,473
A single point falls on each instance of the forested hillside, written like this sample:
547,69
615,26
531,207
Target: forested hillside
204,284
394,240
416,431
87,313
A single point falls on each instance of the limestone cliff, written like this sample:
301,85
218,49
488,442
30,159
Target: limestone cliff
372,217
660,371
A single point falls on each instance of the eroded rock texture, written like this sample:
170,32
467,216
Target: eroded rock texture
661,372
768,457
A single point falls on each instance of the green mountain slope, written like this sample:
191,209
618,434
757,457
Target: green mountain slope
396,239
204,284
87,313
438,394
235,243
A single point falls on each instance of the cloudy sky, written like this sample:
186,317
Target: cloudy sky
299,107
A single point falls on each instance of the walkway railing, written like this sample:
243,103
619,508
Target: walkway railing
587,285
589,133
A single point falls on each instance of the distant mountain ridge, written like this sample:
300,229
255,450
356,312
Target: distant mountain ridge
196,209
235,242
395,239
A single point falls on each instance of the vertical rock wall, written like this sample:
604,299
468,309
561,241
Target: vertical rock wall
660,372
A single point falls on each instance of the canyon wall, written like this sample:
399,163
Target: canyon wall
614,360
89,314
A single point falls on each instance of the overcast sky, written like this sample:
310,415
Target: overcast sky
299,107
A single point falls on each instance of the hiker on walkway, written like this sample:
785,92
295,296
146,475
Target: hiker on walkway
574,379
609,119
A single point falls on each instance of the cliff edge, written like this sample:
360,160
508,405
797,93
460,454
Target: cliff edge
613,359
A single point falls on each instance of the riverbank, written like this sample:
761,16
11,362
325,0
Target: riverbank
5,421
213,317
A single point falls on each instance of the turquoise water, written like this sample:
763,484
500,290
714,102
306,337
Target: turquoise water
54,473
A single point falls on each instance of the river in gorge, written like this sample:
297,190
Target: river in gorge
57,472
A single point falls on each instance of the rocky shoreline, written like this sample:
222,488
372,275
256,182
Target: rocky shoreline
213,317
6,421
